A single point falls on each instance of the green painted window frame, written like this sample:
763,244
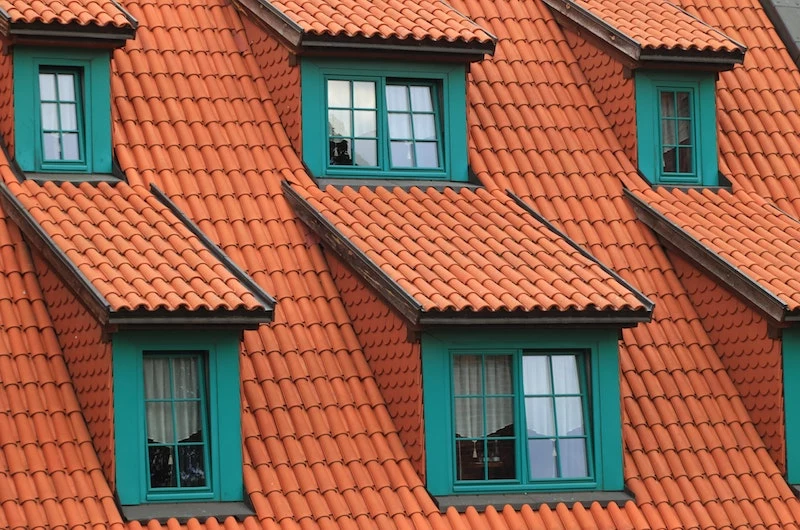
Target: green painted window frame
790,353
94,69
602,382
703,109
221,352
450,83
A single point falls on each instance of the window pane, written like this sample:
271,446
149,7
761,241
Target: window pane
340,152
156,378
668,132
399,126
366,153
338,93
683,104
539,416
69,117
396,97
685,132
364,94
669,163
501,459
188,422
499,416
364,121
424,127
467,377
66,87
569,414
71,147
565,374
469,459
47,87
498,374
184,371
159,422
401,154
542,458
192,466
536,374
49,116
572,455
469,418
427,154
339,122
685,159
421,100
162,462
668,104
52,146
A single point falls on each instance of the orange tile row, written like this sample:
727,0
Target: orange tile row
84,12
470,251
420,20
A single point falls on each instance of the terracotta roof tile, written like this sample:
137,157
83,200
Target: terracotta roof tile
83,12
418,20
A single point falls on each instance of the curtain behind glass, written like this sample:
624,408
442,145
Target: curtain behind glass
157,386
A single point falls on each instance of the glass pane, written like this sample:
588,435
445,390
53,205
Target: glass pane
69,117
52,146
539,416
49,117
536,374
159,423
670,164
71,147
66,87
685,132
498,374
667,104
424,127
364,123
501,459
542,458
685,160
192,466
572,455
500,416
338,93
184,371
469,418
427,154
47,87
683,104
364,94
467,375
421,100
340,152
399,126
469,459
396,97
401,154
339,122
569,413
565,375
366,153
156,378
161,467
668,132
188,422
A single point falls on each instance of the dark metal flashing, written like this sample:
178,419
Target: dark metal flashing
73,34
95,302
397,297
183,511
631,52
198,318
785,16
534,500
648,304
74,178
709,261
404,184
264,298
286,29
582,318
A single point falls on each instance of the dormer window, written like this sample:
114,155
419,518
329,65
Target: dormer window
370,120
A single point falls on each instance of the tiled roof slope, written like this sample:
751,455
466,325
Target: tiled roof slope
84,12
132,249
742,339
746,230
416,20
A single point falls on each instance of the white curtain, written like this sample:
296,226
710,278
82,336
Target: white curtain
467,372
157,386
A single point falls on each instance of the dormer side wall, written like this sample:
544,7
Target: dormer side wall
7,96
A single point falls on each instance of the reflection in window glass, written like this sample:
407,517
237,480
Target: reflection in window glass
417,145
59,118
677,142
352,123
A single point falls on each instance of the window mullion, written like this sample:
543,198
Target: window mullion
556,444
175,465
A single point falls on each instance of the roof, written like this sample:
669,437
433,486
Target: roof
399,23
649,30
132,256
471,252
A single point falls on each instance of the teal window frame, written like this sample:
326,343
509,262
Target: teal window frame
94,113
604,447
703,109
790,353
449,81
221,352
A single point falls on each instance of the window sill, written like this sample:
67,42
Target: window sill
535,499
183,511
